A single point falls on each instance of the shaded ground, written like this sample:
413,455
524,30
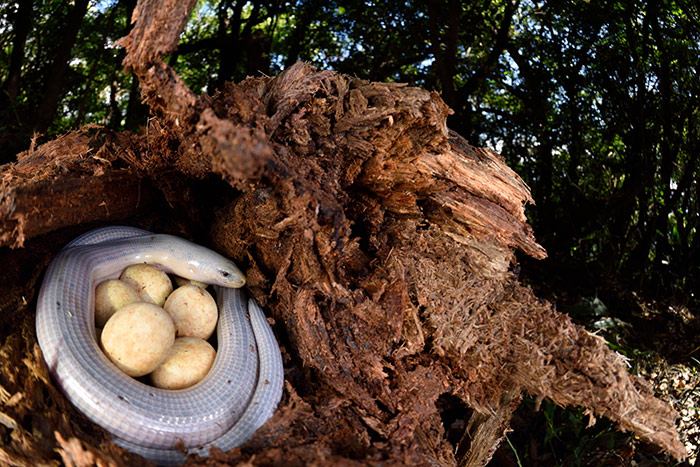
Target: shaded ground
661,342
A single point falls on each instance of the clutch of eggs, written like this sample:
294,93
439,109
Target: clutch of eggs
147,328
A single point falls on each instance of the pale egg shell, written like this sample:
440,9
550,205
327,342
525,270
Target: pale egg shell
193,310
180,281
152,284
188,362
110,296
138,337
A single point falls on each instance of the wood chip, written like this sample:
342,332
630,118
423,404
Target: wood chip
8,421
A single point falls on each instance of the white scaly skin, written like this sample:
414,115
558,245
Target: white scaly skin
237,396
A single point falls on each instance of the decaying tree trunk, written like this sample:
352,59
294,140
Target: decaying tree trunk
377,240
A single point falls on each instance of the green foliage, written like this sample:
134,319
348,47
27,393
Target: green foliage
595,103
561,437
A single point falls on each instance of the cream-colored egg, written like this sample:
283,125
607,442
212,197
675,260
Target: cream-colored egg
152,284
138,337
180,281
188,362
193,310
110,296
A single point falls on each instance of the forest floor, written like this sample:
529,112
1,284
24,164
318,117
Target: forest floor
660,341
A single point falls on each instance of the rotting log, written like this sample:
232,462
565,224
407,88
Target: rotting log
377,240
76,199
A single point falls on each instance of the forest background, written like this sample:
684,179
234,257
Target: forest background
596,105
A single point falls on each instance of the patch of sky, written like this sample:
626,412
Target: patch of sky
103,5
560,150
427,62
5,24
343,51
277,61
208,7
509,78
494,145
75,61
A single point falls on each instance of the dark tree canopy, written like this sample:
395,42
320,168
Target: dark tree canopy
595,103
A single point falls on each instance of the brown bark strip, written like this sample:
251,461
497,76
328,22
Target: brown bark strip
74,179
209,141
41,207
484,432
156,32
498,334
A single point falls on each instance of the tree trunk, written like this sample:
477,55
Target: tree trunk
304,15
445,60
93,68
55,73
21,26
